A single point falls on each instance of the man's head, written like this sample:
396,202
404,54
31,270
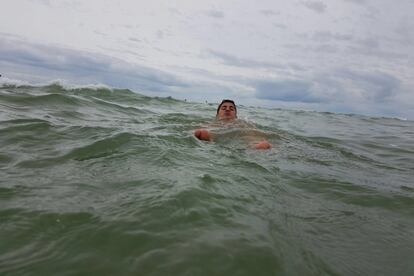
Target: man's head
226,110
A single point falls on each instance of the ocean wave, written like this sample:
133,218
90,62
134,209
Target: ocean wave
92,174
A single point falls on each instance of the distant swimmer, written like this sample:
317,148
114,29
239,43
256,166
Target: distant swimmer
226,117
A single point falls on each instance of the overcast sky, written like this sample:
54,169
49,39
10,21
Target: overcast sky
352,56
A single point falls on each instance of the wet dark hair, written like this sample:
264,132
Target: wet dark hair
226,101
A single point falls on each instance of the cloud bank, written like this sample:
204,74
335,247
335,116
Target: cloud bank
45,62
338,56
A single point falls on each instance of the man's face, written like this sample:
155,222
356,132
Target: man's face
227,111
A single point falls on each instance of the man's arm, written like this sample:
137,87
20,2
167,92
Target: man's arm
203,134
263,145
257,139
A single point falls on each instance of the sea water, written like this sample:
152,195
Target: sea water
101,181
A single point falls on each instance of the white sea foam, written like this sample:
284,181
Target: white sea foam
4,82
70,86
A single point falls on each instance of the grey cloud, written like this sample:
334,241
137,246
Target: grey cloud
317,6
365,50
341,86
45,2
349,45
280,26
214,13
51,62
127,26
352,87
326,48
286,90
269,12
69,4
136,54
160,34
356,1
240,62
134,39
371,43
382,47
372,13
374,86
371,93
328,36
174,11
100,33
405,30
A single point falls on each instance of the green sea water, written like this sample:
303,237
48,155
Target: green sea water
97,181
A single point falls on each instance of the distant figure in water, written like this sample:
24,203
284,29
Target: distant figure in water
227,117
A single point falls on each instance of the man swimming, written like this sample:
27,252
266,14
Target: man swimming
226,116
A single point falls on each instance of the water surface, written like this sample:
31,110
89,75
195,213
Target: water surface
110,182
